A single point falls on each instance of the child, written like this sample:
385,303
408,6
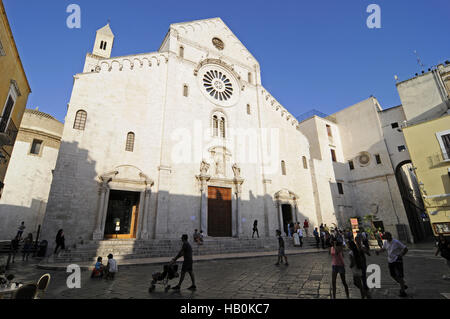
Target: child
98,269
281,253
111,267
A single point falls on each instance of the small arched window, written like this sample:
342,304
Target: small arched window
130,142
80,120
222,127
219,125
250,77
283,167
104,45
305,162
215,126
185,90
249,111
181,52
101,45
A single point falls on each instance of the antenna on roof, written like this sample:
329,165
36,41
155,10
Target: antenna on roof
418,60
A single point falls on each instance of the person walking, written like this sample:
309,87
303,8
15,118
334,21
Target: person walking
317,237
255,228
395,250
15,246
20,230
300,236
306,227
444,249
27,245
60,241
357,265
281,252
187,267
322,238
338,266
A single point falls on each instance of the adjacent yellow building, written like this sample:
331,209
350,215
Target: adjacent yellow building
429,146
14,91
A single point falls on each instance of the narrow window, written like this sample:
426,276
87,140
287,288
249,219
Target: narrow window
36,147
329,131
340,188
185,90
401,148
181,52
222,127
351,165
283,168
2,51
333,155
215,126
446,142
101,45
249,111
130,142
6,114
378,158
80,120
104,45
394,125
305,162
250,77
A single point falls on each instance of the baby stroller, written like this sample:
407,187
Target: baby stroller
170,271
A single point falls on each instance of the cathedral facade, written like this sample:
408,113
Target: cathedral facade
162,143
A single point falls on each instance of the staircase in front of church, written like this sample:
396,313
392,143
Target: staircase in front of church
128,248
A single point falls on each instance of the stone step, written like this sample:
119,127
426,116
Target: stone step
130,248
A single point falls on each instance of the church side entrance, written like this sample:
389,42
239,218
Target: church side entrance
219,212
123,207
286,210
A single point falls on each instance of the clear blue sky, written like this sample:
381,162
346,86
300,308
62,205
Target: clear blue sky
313,54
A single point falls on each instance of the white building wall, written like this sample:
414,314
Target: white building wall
28,180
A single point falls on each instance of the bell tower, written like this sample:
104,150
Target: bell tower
103,42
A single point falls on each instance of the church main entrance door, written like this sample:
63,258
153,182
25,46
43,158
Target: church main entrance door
123,208
286,210
219,212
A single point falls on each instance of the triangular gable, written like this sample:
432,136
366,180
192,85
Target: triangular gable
201,33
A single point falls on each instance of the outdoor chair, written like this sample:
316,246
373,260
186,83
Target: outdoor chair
26,292
42,285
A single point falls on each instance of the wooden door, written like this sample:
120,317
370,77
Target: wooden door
219,212
123,206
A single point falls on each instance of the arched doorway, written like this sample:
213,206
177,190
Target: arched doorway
412,201
286,211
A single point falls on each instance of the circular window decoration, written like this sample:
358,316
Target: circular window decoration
364,159
219,45
218,85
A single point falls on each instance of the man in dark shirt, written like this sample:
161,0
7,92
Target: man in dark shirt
281,253
186,252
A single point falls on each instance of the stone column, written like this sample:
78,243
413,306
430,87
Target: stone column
238,192
204,203
147,196
103,189
295,210
280,216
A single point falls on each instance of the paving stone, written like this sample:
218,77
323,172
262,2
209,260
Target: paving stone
307,276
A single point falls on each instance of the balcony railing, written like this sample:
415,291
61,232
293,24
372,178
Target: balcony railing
10,132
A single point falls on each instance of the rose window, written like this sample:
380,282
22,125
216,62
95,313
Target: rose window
218,85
